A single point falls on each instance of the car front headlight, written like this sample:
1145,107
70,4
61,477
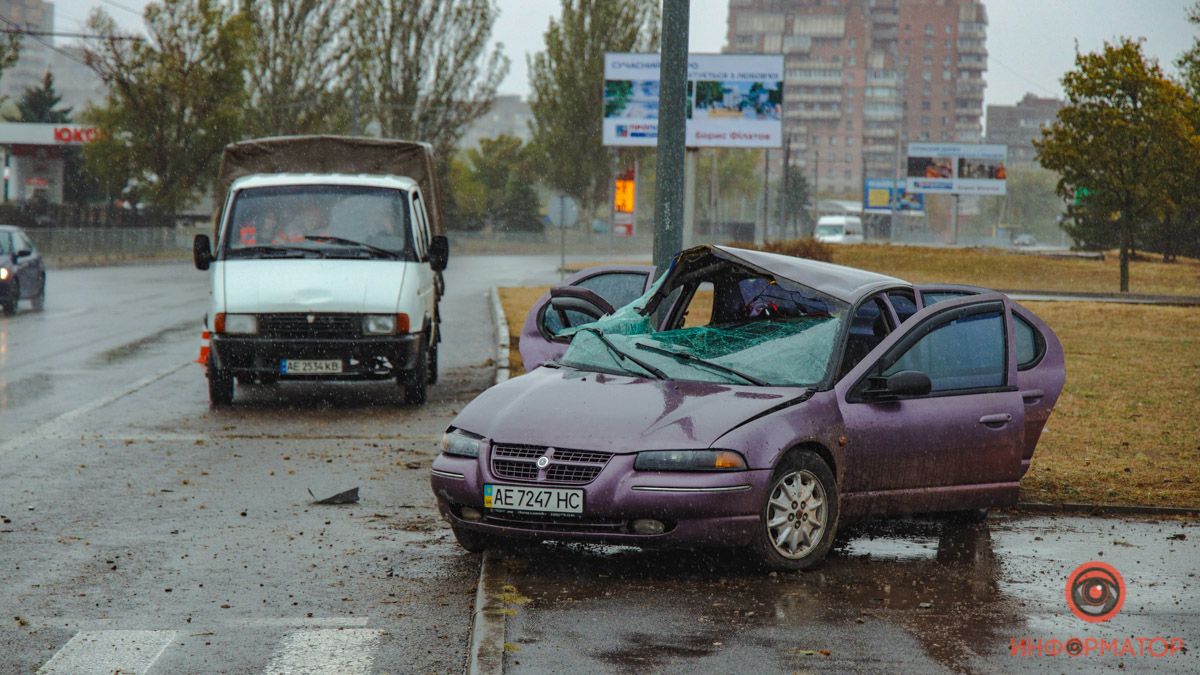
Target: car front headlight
461,443
379,324
3,274
236,324
689,460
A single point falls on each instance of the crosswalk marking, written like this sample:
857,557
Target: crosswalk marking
105,652
346,651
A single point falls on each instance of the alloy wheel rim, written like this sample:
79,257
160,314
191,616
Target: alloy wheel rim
797,514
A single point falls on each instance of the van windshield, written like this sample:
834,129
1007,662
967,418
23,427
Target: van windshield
332,221
830,229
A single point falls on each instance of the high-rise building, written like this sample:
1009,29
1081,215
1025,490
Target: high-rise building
865,77
1017,125
36,57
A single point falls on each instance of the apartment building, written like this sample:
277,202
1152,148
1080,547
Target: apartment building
865,77
1017,125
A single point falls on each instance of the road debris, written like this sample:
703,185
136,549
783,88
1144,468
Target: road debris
348,497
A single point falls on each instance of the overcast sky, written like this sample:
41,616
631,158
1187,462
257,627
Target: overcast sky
1030,42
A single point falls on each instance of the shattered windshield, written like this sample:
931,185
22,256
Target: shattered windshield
757,332
325,220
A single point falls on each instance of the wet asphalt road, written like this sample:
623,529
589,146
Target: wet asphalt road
138,523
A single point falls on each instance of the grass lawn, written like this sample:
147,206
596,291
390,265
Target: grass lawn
1127,427
992,268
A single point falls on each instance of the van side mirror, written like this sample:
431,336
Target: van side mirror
23,253
202,255
903,383
439,252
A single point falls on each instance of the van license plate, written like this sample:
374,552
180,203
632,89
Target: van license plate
538,499
302,367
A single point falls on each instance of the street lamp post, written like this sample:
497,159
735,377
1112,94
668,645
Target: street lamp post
672,133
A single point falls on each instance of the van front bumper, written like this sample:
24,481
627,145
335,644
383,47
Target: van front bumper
363,358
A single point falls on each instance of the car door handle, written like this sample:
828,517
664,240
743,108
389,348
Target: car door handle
997,420
1032,395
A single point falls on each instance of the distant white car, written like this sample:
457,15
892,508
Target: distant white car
839,230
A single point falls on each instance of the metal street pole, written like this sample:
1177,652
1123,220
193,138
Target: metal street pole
672,133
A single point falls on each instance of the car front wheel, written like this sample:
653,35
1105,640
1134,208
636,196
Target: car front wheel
799,515
220,386
10,307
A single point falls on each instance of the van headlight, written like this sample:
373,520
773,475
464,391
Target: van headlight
379,324
236,324
461,443
689,460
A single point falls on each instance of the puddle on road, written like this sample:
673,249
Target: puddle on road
131,349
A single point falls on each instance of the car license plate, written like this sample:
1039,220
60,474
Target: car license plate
302,367
538,499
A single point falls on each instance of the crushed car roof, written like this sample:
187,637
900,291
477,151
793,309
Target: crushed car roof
844,283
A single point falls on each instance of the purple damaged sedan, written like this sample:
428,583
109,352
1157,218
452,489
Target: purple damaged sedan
749,399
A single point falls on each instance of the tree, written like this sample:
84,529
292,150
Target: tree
466,202
792,196
519,210
426,66
501,168
1031,202
568,86
40,104
301,67
10,51
1115,137
174,100
1189,62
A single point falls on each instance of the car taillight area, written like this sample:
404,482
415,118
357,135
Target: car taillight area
529,463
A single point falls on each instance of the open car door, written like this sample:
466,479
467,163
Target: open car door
581,298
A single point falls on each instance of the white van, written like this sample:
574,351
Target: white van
324,276
839,230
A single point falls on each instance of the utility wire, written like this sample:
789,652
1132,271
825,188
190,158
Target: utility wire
86,36
45,44
118,5
1036,85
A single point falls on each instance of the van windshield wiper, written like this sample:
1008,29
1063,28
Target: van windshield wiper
692,358
622,355
326,239
275,251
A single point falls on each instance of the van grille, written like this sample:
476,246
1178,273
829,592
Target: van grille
298,326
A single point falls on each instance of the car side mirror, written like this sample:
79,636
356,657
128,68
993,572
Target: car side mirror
202,255
23,253
582,300
439,252
903,383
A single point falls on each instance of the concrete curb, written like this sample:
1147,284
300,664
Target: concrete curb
489,621
500,323
1117,509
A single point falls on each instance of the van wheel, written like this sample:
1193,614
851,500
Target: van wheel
799,516
220,386
433,363
415,382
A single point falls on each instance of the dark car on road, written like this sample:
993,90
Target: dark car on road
749,399
22,271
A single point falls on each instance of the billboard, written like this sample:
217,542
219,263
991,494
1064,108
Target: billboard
734,100
957,168
878,194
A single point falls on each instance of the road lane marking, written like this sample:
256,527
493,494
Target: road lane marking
335,651
105,652
57,424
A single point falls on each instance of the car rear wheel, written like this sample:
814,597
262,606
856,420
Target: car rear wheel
799,517
220,386
39,300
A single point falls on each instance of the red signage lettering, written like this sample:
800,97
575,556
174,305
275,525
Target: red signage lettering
75,134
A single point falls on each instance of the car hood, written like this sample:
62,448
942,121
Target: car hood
312,285
567,408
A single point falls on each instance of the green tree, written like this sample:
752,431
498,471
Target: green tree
792,196
466,203
1114,137
520,208
40,104
426,66
174,100
301,71
1189,62
10,51
494,163
568,86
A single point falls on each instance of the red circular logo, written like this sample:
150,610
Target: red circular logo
1095,592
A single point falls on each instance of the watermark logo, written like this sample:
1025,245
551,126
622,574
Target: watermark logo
1095,592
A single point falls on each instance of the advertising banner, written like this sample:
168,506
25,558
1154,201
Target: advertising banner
878,194
734,100
957,168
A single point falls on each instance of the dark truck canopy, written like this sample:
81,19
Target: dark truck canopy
334,154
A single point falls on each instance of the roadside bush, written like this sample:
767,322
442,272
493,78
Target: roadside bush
800,248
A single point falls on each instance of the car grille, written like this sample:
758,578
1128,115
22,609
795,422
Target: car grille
549,524
298,326
567,467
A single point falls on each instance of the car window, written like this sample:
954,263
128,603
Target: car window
905,304
868,327
934,297
6,242
23,243
422,238
964,354
617,288
699,309
1030,343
